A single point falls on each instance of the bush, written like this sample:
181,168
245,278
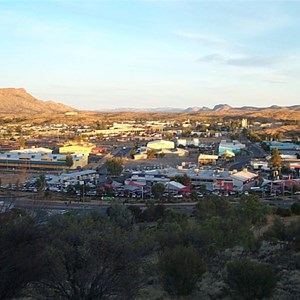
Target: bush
295,208
250,279
283,212
180,268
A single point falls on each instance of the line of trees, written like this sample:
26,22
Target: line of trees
224,250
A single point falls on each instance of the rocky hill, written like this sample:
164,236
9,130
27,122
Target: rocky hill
18,101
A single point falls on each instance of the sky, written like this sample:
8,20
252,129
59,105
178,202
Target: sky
94,55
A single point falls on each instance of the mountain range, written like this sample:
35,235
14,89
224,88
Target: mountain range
196,109
18,101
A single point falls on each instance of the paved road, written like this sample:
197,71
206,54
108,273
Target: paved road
102,206
122,152
240,163
256,151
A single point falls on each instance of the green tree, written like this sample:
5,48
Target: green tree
295,208
253,211
88,257
183,179
158,190
250,279
180,269
275,158
120,215
213,206
114,166
69,161
21,261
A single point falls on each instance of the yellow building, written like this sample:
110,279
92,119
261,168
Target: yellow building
77,149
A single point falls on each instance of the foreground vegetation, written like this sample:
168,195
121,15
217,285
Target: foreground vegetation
224,252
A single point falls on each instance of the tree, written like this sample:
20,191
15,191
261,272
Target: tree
69,161
88,258
180,269
21,261
253,211
186,131
275,158
213,206
184,179
158,190
151,154
250,279
41,183
21,142
120,215
153,213
295,208
114,166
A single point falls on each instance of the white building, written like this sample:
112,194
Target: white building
243,180
161,144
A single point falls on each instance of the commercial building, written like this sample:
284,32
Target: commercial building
41,161
234,146
244,179
284,146
204,159
76,149
160,144
33,150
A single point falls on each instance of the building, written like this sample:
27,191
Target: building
212,180
244,123
204,159
76,149
41,161
160,145
244,179
148,178
173,152
284,146
33,150
234,146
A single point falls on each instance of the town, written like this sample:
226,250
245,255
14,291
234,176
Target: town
148,160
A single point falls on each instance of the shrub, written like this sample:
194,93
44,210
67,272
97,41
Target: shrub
180,268
295,208
250,279
283,212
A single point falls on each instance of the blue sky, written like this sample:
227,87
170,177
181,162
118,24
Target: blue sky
110,54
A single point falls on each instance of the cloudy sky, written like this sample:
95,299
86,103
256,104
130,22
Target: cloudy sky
110,54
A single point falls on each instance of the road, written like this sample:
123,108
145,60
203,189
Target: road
60,206
243,160
256,151
240,163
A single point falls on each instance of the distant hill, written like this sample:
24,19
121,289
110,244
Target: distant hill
18,101
144,110
222,108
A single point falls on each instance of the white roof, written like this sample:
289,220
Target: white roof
175,185
32,150
243,175
80,173
207,156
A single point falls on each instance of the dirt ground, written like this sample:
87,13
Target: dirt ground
163,162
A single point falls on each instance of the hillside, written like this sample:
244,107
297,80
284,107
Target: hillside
18,101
